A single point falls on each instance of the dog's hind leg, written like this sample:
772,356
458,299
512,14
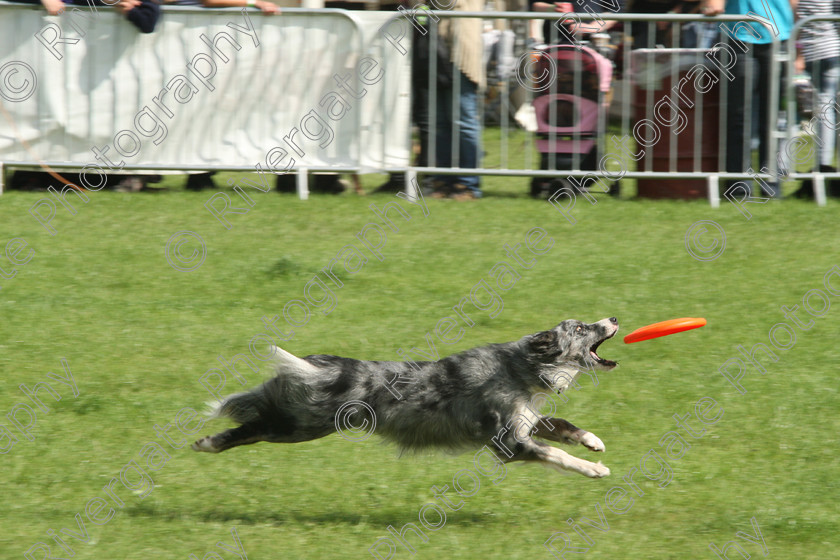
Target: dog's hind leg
558,459
254,432
243,435
563,431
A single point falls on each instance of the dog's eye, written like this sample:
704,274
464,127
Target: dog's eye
578,329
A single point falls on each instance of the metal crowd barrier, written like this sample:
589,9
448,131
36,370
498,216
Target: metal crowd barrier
237,81
639,103
637,97
819,177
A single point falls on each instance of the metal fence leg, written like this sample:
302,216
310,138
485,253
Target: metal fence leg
819,189
714,190
302,183
2,176
411,185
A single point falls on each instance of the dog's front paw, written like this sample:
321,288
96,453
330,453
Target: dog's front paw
592,442
597,470
204,444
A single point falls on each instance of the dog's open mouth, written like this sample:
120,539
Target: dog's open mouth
593,353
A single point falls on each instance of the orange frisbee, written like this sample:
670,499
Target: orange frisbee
664,328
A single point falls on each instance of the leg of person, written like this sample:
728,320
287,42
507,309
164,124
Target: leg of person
443,137
766,114
738,127
419,108
420,117
826,76
420,111
469,135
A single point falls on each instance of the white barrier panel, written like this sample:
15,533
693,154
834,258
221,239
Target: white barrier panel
208,89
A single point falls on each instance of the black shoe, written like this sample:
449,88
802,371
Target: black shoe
395,183
832,186
199,181
328,184
286,183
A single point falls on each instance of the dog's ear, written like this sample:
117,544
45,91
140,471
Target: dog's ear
545,343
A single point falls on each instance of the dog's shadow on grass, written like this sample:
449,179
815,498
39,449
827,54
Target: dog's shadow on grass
378,517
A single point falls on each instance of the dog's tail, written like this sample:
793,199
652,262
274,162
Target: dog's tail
242,407
288,386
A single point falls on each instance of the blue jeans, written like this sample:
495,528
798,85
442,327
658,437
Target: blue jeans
463,112
825,75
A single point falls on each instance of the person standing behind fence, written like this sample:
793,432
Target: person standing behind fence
820,47
457,101
568,31
262,5
551,34
751,68
144,14
649,34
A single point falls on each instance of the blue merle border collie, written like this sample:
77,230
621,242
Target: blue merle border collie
459,402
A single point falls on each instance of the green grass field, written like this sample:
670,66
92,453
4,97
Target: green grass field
137,336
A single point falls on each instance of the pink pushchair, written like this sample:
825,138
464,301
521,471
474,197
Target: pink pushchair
573,85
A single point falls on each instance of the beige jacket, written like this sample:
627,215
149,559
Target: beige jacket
463,35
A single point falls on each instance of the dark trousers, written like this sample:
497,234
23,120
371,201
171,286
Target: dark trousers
751,83
420,98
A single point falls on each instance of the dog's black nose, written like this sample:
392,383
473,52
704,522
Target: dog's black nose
613,320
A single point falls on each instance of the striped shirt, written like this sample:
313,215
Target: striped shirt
819,39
